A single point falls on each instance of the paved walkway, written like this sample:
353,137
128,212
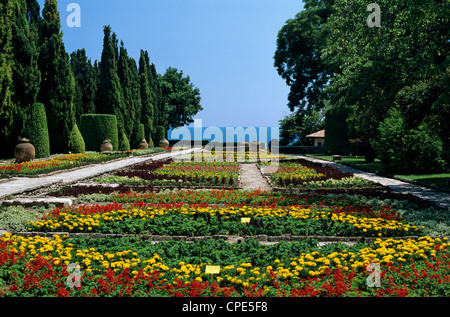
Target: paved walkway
24,184
439,198
251,178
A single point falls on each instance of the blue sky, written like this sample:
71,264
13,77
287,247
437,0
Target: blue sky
226,47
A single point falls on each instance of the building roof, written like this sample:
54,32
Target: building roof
318,134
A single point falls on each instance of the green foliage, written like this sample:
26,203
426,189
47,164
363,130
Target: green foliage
58,86
159,135
148,111
336,132
140,135
182,98
37,131
407,150
95,128
7,108
298,56
110,98
85,83
124,144
150,142
76,141
295,127
16,218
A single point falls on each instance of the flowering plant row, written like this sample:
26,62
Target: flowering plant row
201,219
220,174
39,266
235,156
67,161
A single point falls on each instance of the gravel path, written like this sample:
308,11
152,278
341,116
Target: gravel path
251,178
441,199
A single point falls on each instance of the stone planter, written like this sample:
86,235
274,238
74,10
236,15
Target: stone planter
164,143
106,147
24,152
143,145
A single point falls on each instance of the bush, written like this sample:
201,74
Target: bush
37,131
124,144
408,150
95,128
160,134
336,132
139,136
16,218
76,141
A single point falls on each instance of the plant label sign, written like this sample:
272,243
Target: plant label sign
212,269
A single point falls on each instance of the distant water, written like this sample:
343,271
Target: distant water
225,134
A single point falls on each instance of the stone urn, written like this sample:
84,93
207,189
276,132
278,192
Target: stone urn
244,145
164,143
106,146
255,146
24,151
143,145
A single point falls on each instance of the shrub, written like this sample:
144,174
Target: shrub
16,218
37,131
408,150
139,136
160,134
95,128
76,141
124,144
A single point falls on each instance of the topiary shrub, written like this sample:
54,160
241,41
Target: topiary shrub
95,128
124,144
36,130
150,142
160,134
76,141
139,136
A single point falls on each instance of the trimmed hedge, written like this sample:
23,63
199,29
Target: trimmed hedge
76,141
36,130
95,128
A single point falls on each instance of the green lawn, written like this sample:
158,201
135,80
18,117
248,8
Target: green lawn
438,180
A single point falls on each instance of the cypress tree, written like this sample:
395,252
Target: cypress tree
85,83
109,96
126,80
147,112
36,130
58,86
7,108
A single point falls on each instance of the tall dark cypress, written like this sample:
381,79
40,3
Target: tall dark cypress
7,108
26,74
109,96
85,83
147,113
58,86
126,80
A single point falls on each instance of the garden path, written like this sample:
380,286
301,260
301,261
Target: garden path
251,178
441,199
21,185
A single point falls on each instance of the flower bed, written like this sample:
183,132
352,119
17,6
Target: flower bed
305,174
202,219
235,156
67,161
127,267
179,174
